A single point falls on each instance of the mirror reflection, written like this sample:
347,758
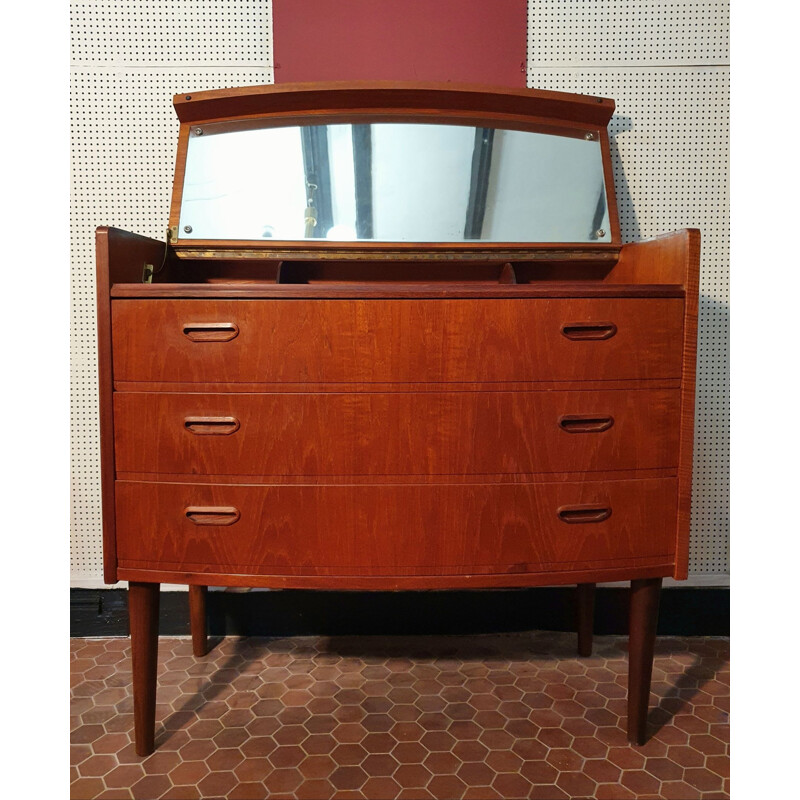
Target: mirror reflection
392,182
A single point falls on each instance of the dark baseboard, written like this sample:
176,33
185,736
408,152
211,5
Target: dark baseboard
685,611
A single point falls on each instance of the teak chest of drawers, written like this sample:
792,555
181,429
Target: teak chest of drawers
395,433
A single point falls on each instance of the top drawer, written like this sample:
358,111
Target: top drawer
396,341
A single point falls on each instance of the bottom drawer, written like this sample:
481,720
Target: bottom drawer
382,530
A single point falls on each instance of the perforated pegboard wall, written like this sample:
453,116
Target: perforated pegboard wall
670,157
128,59
670,141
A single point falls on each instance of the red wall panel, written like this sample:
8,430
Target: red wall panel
464,41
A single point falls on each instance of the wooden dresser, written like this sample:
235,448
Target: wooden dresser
361,413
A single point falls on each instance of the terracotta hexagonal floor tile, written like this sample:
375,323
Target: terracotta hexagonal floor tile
438,741
442,763
151,787
224,760
518,728
412,775
350,732
703,779
289,735
188,773
381,788
539,772
248,791
379,765
476,774
639,782
409,713
504,761
685,756
512,785
470,751
348,777
565,759
576,784
626,758
252,770
481,793
348,754
86,788
317,767
378,742
555,737
601,771
97,766
378,723
124,776
317,789
447,786
286,755
285,779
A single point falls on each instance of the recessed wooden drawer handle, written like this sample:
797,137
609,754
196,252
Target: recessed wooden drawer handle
583,331
212,515
585,423
211,426
574,514
210,331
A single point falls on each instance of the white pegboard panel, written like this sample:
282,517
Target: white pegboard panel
148,33
669,144
627,33
123,137
129,59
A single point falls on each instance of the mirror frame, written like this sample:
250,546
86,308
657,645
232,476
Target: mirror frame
343,102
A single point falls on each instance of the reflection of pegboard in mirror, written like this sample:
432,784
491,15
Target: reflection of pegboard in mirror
670,140
670,135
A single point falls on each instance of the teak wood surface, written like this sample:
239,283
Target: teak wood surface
401,433
397,530
436,390
396,416
389,341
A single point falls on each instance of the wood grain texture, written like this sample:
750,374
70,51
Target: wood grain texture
438,433
380,289
198,620
675,257
375,341
317,98
390,530
644,601
622,570
215,387
120,258
143,611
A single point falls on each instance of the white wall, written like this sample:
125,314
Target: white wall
666,65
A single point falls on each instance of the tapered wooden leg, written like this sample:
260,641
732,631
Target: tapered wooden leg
585,601
143,611
197,619
645,595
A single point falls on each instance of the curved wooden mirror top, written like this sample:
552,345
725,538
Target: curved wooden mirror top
387,170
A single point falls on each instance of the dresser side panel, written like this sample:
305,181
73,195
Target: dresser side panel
120,257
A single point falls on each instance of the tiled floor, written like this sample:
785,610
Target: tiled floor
506,716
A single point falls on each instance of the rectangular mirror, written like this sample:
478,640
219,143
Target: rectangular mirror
392,182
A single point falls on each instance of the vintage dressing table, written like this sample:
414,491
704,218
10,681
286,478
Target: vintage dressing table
394,341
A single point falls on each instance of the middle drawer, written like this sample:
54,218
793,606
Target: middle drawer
399,433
